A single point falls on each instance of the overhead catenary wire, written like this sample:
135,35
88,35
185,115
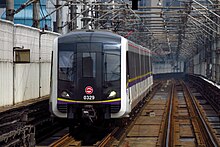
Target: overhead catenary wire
193,17
29,2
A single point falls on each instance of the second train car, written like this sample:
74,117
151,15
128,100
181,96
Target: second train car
98,75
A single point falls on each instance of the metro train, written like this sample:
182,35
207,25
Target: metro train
98,75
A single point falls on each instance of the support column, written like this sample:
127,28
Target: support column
58,17
36,14
217,49
208,56
217,59
10,10
213,55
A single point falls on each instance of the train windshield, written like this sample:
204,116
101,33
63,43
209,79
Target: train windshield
95,64
112,66
66,59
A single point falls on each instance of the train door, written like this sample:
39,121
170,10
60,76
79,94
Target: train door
89,72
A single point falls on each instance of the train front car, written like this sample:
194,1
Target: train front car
87,75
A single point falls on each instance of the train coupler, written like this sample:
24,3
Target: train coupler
89,112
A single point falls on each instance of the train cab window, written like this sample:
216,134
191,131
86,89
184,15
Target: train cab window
112,65
112,68
66,59
112,62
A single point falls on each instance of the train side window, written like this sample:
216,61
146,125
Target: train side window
131,68
21,55
133,65
142,64
150,64
147,65
127,66
144,61
137,65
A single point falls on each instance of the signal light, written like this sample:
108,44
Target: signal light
134,4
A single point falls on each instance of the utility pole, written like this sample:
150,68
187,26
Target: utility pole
96,13
58,17
36,14
73,13
10,10
85,15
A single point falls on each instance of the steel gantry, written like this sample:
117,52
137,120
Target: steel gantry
175,31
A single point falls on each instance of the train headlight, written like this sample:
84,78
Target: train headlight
65,94
112,94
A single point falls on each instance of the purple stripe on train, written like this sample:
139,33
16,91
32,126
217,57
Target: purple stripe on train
130,84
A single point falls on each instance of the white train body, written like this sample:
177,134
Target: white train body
109,75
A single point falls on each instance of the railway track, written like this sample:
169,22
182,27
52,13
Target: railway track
209,112
66,141
107,140
173,116
145,129
208,135
186,126
175,119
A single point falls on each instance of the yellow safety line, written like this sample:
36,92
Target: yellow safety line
105,101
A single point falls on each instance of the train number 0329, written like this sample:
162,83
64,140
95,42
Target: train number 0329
89,97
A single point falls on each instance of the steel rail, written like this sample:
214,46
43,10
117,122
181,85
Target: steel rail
168,132
64,141
200,86
210,135
108,138
60,142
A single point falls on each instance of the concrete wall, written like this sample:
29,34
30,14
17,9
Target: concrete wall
20,82
27,74
6,63
197,65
